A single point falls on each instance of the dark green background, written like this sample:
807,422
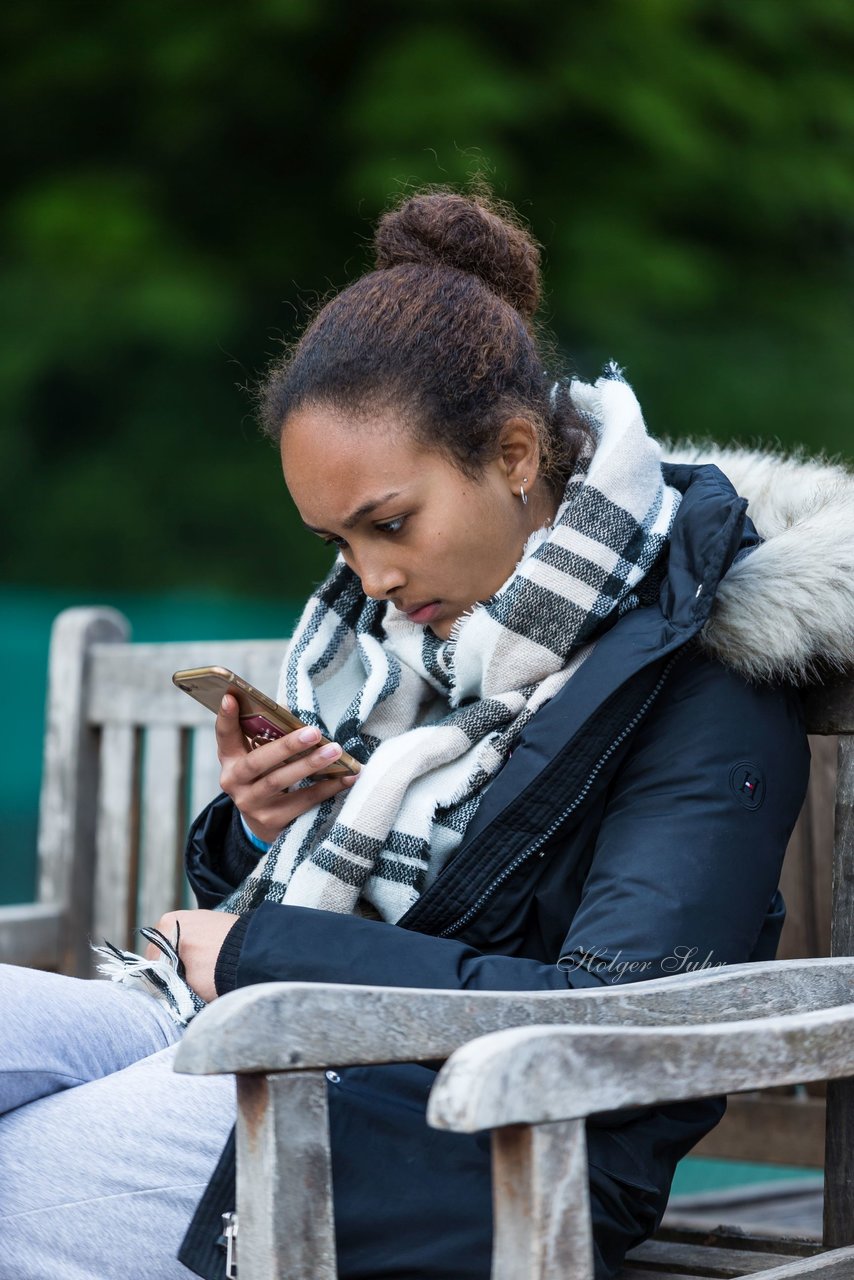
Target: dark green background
188,181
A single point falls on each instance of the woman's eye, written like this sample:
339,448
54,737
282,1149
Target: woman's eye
392,526
385,526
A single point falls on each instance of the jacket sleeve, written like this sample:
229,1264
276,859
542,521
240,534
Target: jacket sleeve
219,853
686,860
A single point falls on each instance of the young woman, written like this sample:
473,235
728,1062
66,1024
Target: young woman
568,669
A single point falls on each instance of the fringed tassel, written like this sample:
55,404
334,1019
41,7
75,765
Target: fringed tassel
163,978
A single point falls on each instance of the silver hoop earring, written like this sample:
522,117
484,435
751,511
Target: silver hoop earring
522,494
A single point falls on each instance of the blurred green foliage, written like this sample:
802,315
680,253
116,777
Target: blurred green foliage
188,181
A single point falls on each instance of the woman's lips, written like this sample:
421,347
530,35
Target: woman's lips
424,613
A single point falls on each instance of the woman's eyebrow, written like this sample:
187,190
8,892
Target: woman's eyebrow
359,514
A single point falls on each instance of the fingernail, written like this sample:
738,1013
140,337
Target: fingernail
309,735
224,704
330,751
349,779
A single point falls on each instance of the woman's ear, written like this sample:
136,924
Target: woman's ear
520,451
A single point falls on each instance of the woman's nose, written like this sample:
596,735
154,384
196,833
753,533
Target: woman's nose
379,581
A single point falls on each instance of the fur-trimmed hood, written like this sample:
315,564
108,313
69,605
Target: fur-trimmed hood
784,610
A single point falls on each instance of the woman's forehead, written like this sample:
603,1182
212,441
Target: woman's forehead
321,442
333,468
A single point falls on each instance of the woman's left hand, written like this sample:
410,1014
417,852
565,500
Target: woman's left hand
202,936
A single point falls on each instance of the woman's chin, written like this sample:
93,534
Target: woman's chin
441,627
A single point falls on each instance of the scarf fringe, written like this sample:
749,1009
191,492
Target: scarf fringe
164,978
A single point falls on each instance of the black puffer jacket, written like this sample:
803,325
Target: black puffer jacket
638,828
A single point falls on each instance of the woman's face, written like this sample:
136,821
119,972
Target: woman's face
413,528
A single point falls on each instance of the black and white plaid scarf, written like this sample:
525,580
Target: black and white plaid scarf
433,721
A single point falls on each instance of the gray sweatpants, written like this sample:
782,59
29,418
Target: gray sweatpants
104,1150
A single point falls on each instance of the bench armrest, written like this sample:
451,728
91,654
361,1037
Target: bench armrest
287,1026
536,1075
534,1087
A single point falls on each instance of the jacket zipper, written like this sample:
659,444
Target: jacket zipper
541,839
229,1239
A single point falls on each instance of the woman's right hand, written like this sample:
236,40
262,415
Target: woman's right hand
258,780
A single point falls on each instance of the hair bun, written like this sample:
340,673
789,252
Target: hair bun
468,233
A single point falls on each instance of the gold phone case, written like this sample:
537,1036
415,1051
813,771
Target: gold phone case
208,684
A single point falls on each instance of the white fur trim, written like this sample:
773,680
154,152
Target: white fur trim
787,608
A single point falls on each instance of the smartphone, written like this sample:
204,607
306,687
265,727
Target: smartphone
261,719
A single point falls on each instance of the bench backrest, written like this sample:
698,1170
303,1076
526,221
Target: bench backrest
129,760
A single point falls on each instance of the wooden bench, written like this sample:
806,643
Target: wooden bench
128,761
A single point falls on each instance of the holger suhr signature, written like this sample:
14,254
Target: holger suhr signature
598,961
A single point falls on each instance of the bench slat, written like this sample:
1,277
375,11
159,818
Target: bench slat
204,767
132,684
163,822
116,837
705,1260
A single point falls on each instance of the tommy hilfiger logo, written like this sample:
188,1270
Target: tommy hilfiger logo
747,782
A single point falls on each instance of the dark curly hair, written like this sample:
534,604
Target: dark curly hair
442,332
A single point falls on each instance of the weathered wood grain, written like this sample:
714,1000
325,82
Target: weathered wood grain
838,1265
839,1166
829,708
842,925
830,1267
541,1203
67,807
737,1238
806,878
533,1075
163,823
644,1274
133,684
284,1178
204,766
101,687
280,1026
839,1155
116,837
708,1259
